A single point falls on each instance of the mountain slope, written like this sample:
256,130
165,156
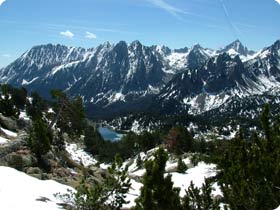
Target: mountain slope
221,79
119,78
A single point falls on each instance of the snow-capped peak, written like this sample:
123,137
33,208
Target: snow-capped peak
237,47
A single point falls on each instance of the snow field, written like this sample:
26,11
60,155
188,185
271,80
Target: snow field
19,191
196,174
79,155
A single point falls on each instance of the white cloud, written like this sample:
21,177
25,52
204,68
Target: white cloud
278,1
176,12
2,1
90,35
167,7
67,33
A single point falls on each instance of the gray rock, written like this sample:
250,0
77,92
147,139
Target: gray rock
28,160
8,123
38,176
34,170
14,160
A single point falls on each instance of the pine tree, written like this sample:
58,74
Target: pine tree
139,161
181,166
249,175
200,198
19,96
158,192
108,194
35,108
7,104
70,115
93,140
40,138
179,140
78,116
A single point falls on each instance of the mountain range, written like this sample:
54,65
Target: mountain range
115,79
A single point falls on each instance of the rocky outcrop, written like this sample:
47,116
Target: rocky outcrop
8,123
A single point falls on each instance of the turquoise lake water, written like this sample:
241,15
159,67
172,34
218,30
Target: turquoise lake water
109,134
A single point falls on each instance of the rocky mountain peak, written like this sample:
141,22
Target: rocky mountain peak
136,44
196,47
237,47
276,46
162,50
117,75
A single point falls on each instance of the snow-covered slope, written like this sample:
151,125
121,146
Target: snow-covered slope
19,191
196,175
222,79
79,155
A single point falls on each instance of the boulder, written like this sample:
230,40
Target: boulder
8,123
34,170
14,160
37,176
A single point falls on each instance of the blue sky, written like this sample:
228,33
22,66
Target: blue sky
175,23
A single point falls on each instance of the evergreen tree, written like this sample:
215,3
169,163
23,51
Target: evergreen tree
127,145
158,192
40,138
266,125
147,140
19,96
181,166
139,161
7,104
119,184
35,108
93,140
200,198
179,140
70,115
78,116
249,175
109,194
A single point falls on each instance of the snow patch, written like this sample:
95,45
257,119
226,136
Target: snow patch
136,127
177,60
24,116
25,82
19,191
63,66
116,97
278,208
9,133
133,193
196,175
3,141
205,102
79,155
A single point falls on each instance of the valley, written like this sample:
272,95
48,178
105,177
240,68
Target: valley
139,105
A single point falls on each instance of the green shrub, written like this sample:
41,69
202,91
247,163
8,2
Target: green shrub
181,166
